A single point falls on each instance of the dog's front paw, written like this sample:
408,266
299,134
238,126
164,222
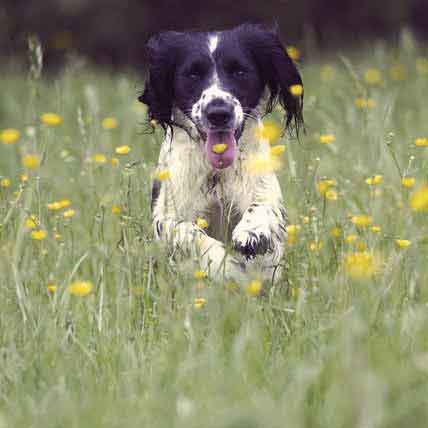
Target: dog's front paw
251,243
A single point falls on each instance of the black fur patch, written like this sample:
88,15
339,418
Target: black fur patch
155,193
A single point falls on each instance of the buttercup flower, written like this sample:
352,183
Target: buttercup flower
254,288
199,274
122,150
31,161
269,131
361,264
51,119
31,222
80,288
419,199
361,220
293,53
202,223
376,229
39,234
116,209
327,138
163,175
52,288
69,213
109,123
373,76
277,150
292,232
5,182
402,243
325,184
374,180
296,90
408,181
331,195
199,302
9,136
99,158
421,142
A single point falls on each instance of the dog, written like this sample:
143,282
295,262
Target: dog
208,91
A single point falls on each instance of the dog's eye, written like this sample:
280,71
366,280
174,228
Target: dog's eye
236,70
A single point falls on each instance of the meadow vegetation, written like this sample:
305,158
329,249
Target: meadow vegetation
98,329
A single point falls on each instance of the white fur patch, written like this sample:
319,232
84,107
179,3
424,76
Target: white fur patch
212,43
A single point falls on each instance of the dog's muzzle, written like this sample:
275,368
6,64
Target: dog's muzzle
220,123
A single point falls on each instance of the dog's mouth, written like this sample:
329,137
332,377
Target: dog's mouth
221,148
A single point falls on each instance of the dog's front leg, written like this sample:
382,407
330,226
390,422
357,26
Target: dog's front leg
262,228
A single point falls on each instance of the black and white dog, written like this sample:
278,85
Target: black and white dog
208,91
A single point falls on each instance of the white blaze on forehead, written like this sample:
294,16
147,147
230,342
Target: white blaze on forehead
213,42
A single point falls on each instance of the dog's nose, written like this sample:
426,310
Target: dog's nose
219,114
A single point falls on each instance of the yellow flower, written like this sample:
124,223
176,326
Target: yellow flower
376,229
374,180
351,238
51,119
421,142
260,165
202,223
316,246
5,182
306,219
296,90
24,178
38,234
58,205
402,243
69,213
110,123
408,181
363,103
422,65
336,232
80,288
122,150
99,158
361,264
361,220
327,138
327,73
269,131
293,53
199,274
9,136
254,288
52,288
31,161
373,76
114,162
116,209
277,150
325,184
397,72
163,175
419,199
331,195
219,148
199,302
31,222
57,236
292,232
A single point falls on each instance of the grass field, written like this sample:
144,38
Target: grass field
98,330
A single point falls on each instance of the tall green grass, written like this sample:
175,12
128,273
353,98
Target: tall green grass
321,348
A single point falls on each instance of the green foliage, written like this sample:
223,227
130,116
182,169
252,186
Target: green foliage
321,348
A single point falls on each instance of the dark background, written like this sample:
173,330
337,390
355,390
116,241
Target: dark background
113,32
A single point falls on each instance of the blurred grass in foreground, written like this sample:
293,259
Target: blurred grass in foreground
97,329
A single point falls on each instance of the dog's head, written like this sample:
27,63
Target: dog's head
217,80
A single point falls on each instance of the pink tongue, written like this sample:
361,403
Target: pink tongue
225,159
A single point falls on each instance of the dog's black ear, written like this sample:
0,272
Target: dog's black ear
159,87
278,72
